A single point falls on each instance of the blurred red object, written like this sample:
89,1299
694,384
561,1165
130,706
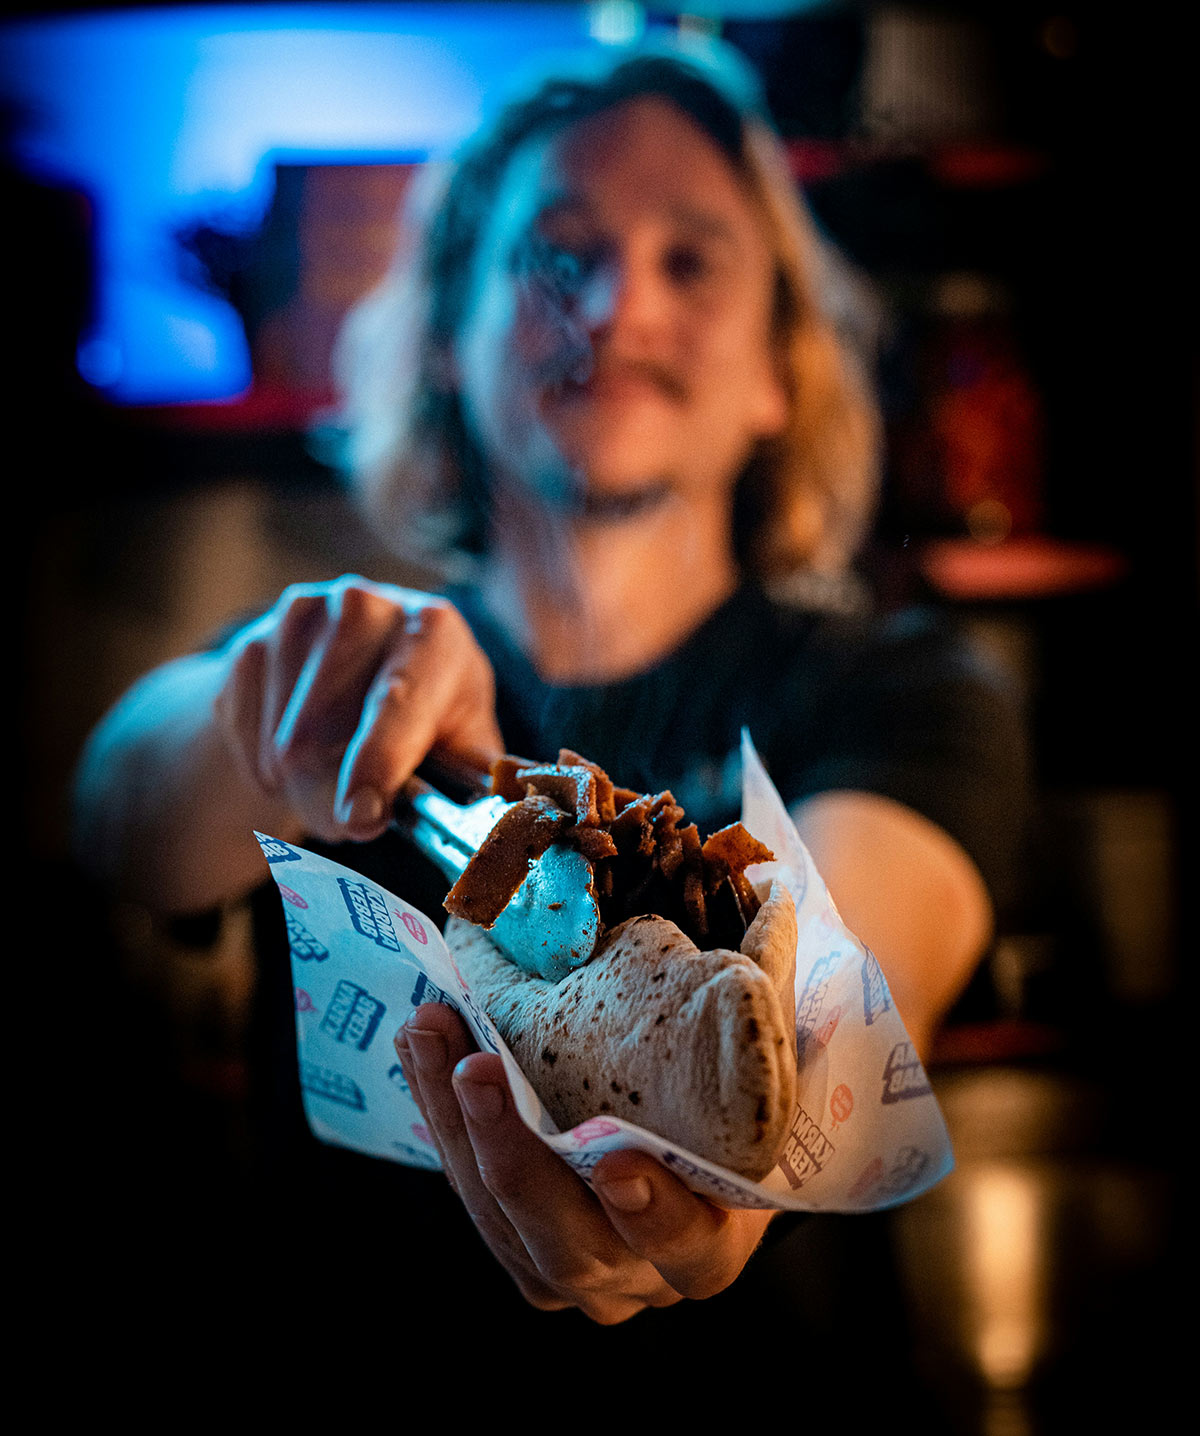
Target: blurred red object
1031,566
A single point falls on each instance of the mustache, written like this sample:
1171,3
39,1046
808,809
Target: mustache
580,368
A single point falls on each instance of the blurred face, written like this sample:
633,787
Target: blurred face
617,348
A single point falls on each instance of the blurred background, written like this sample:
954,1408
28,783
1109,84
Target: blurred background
195,196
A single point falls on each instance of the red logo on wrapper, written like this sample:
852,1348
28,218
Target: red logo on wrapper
591,1129
841,1103
292,896
869,1177
824,1033
421,1133
414,926
304,1003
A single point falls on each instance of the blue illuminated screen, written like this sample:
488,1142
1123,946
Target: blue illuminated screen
168,119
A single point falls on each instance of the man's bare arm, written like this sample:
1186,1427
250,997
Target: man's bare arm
907,890
164,816
307,723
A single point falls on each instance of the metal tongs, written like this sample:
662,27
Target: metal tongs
551,924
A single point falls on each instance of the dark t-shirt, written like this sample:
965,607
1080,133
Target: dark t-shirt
903,707
900,706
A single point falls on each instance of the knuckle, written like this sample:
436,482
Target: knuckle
503,1181
610,1312
298,618
390,697
352,601
539,1297
299,598
247,657
438,620
572,1271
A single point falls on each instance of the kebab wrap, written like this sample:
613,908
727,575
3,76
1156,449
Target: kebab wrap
696,1046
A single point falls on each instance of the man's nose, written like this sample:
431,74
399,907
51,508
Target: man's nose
623,293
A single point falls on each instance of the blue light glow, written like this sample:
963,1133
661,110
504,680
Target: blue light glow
169,117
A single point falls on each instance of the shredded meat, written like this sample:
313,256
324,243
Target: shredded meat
643,860
499,867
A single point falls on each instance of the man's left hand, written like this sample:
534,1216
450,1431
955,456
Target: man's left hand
638,1239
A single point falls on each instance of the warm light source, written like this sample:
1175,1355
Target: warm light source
1006,1276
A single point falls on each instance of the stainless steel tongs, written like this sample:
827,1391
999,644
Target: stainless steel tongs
552,922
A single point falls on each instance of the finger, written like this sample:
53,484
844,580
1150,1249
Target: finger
440,694
570,1241
698,1248
239,710
436,1040
366,631
560,1222
288,635
362,626
438,1043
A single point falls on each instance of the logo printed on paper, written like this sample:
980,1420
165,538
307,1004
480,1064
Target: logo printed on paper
304,1003
416,1156
870,1175
907,1170
352,1015
369,914
322,1082
876,998
584,1162
904,1077
841,1104
713,1182
594,1127
426,991
276,852
824,1034
808,1004
415,927
304,945
482,1025
291,895
806,1150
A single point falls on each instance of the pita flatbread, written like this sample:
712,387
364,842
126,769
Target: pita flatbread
698,1047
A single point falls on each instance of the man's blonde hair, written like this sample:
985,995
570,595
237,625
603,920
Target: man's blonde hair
805,498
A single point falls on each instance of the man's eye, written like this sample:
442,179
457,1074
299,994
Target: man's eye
552,266
564,269
687,265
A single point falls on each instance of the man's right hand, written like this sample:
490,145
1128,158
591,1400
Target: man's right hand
337,693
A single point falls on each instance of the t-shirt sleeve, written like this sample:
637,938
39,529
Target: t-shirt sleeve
921,716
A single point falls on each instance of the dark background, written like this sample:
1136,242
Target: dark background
1060,178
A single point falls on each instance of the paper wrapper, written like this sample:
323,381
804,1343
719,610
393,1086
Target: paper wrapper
867,1131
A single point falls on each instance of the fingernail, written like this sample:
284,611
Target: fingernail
630,1194
361,809
482,1101
429,1051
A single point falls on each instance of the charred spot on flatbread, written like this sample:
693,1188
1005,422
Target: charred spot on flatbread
695,1045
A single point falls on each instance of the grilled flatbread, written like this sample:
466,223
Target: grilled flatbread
698,1047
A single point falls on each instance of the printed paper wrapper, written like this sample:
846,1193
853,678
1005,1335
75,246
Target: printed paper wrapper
867,1131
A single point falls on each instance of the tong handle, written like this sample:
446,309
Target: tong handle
462,780
447,832
436,839
551,925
